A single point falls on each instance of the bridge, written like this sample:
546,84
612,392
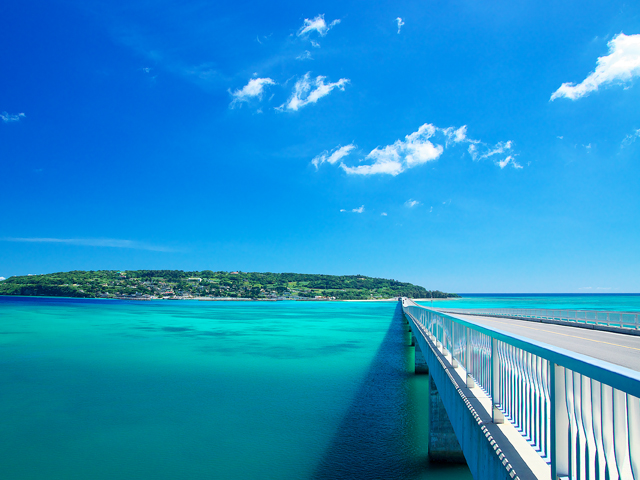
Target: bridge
530,393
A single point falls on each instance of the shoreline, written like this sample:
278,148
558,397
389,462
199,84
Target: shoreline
232,299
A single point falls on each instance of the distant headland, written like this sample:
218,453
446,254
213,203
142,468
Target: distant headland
210,285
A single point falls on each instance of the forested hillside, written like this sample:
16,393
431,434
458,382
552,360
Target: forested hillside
206,283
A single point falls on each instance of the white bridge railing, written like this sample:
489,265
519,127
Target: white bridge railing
582,415
630,320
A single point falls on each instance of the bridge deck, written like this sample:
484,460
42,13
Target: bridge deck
616,348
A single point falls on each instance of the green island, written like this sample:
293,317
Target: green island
207,284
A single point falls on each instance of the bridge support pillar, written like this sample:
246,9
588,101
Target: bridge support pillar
420,362
443,443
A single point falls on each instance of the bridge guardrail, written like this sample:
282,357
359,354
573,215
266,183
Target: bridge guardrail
582,415
611,319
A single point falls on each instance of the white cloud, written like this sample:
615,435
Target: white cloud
426,144
93,242
430,209
456,135
8,117
384,214
388,167
414,150
508,160
305,56
498,149
411,203
2,278
318,25
354,210
629,139
621,65
315,44
334,156
308,91
253,89
400,23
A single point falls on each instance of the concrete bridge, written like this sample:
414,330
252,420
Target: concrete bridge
532,394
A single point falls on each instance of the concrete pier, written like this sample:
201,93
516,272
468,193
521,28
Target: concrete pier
420,361
443,443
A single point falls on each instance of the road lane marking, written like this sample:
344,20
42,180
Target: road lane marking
564,334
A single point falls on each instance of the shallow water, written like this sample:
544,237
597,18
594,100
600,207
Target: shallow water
608,302
220,390
210,390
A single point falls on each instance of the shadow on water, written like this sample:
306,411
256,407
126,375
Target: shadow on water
384,432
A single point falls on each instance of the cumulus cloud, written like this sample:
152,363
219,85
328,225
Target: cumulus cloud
621,65
425,145
93,242
304,56
411,203
318,25
400,23
253,89
632,137
334,156
354,210
2,278
307,90
8,117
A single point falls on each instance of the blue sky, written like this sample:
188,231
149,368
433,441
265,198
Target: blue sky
462,146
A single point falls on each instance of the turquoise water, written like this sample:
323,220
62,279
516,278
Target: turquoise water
609,302
210,390
95,389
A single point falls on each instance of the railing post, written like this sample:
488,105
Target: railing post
467,358
559,424
497,415
454,362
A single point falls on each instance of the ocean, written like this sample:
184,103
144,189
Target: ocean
99,389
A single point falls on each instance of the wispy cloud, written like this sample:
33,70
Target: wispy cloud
305,56
629,139
621,65
316,24
334,156
507,161
425,145
354,210
93,242
411,203
455,135
498,149
307,90
8,117
400,23
253,89
384,214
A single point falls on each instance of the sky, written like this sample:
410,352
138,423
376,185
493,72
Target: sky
470,147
